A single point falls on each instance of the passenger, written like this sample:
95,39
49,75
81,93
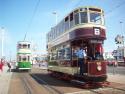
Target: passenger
99,52
9,66
1,65
81,54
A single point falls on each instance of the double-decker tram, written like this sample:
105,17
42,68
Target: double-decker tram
83,27
24,55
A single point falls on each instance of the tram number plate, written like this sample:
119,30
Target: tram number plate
97,31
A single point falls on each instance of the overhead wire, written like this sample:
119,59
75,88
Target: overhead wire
32,17
116,7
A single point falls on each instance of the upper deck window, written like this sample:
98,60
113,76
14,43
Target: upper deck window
24,46
83,17
83,9
95,9
76,18
71,16
95,17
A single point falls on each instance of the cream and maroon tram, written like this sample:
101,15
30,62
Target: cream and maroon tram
84,27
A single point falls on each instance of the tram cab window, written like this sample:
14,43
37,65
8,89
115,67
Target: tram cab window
95,17
98,52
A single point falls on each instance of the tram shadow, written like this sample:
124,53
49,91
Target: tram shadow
48,80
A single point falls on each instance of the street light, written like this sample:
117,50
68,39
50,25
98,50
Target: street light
55,13
122,32
123,40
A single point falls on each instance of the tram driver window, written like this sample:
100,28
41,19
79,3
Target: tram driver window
95,18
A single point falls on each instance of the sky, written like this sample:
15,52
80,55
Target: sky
35,18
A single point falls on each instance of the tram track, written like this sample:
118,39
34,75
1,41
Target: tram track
26,84
49,88
107,90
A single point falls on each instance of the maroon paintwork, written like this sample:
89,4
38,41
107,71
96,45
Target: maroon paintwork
92,68
87,33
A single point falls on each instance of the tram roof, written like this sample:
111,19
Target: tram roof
88,7
24,42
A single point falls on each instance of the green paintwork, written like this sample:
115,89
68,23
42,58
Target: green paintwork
23,53
24,64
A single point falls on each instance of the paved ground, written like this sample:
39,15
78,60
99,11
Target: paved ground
116,78
4,80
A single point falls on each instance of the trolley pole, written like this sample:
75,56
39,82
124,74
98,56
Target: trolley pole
55,13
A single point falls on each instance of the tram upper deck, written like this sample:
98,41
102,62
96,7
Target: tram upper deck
24,47
85,18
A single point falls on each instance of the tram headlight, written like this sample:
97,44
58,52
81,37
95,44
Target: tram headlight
99,68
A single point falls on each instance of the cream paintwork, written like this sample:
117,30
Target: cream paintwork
66,33
24,51
68,70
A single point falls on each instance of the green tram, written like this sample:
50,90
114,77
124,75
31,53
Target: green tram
24,55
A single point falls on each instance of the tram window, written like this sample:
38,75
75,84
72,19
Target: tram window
19,58
83,17
24,46
71,20
83,9
95,18
19,46
28,58
28,45
24,58
71,16
76,18
66,23
76,11
67,53
94,9
66,19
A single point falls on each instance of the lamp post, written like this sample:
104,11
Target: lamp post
2,41
123,40
55,13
